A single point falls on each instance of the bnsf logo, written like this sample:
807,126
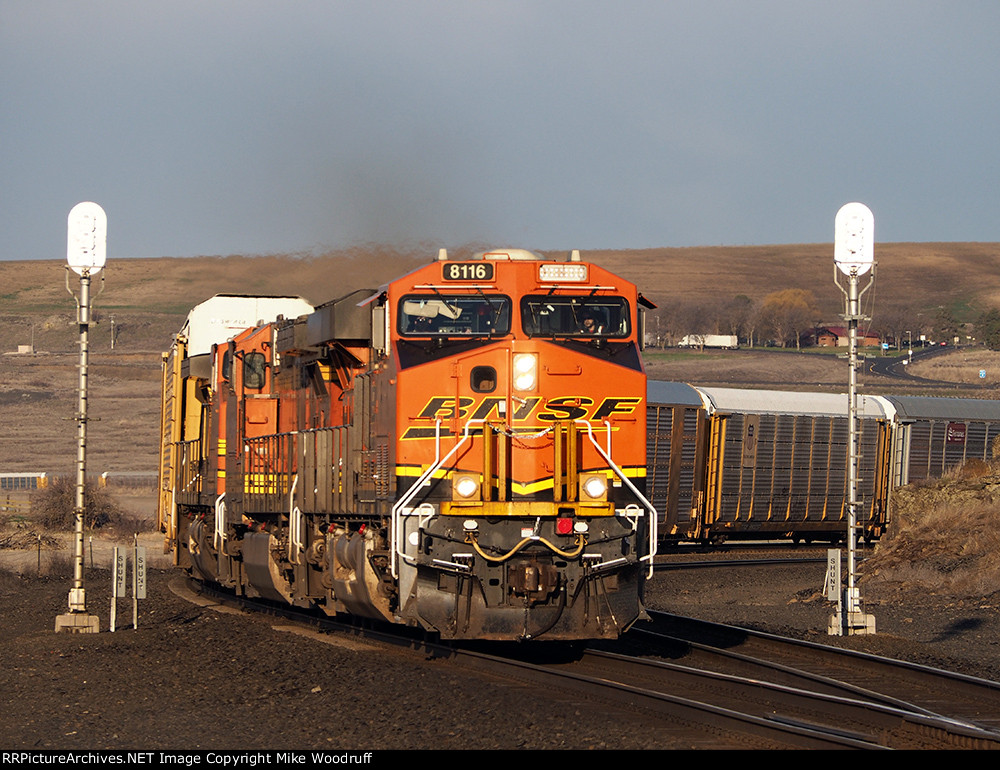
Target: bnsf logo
561,408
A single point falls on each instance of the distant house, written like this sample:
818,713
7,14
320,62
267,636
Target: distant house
837,337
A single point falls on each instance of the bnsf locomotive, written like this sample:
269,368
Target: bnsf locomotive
463,450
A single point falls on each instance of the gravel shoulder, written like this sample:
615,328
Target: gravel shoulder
191,677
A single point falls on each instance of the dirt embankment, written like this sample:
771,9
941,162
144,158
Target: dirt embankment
944,535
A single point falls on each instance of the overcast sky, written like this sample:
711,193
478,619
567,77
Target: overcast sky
245,126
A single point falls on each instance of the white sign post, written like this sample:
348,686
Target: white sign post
138,579
86,253
117,584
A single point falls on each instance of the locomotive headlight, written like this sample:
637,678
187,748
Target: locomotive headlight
594,486
465,487
525,371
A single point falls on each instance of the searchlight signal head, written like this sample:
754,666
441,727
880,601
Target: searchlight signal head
87,238
854,239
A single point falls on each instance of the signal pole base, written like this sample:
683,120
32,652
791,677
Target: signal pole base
851,624
78,623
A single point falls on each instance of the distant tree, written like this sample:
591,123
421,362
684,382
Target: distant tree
893,322
988,328
54,507
946,326
787,313
739,315
674,320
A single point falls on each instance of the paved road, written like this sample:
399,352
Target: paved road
894,367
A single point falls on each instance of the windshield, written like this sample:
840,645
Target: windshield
444,315
552,316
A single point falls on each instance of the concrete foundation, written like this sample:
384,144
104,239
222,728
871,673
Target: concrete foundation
852,624
78,623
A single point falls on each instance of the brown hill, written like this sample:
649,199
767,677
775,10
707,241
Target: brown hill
924,275
149,298
943,536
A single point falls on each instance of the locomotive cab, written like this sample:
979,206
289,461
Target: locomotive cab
520,469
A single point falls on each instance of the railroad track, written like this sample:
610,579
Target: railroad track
943,708
703,698
664,566
745,554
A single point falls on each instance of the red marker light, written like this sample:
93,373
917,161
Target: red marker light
564,526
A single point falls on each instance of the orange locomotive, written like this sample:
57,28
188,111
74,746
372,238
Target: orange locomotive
463,450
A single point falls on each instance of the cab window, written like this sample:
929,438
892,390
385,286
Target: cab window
254,368
552,316
470,315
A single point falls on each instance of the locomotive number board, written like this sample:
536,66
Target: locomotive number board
468,271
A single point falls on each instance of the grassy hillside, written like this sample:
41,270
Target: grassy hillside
925,275
149,299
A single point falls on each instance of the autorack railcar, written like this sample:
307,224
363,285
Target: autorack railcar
730,463
932,435
736,463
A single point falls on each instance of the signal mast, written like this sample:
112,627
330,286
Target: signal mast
853,256
86,253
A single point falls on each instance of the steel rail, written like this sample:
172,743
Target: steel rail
956,696
890,726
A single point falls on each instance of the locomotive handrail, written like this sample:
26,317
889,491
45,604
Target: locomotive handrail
220,523
295,525
173,519
411,493
621,474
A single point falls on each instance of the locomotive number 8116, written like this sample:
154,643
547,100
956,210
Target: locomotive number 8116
462,450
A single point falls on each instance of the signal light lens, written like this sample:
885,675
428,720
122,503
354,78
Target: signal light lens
564,526
525,371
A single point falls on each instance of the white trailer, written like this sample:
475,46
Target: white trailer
724,341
